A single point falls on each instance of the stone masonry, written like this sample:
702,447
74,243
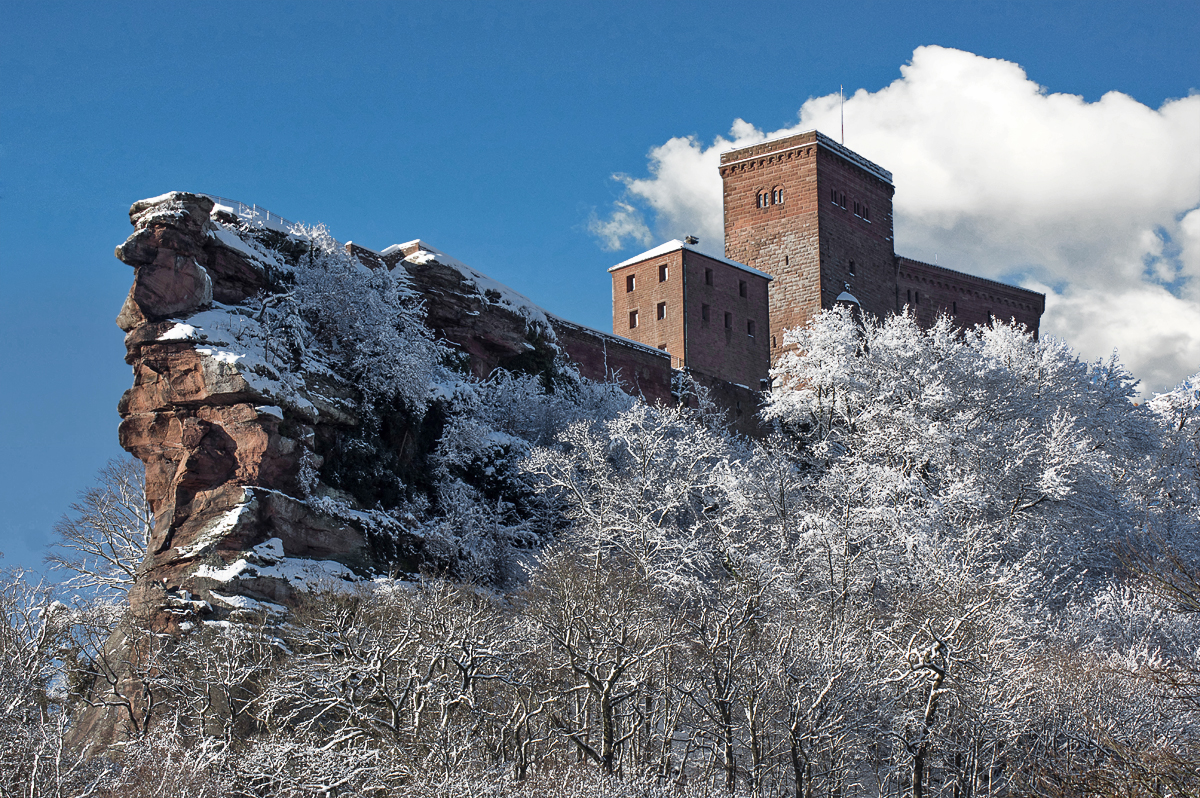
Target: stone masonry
808,222
709,313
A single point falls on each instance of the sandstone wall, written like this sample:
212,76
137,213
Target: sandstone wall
929,290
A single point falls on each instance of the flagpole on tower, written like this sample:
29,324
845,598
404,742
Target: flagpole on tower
842,109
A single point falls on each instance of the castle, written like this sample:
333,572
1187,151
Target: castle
808,224
231,435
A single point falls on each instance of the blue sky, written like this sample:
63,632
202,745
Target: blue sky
492,131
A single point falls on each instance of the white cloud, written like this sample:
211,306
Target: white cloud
625,222
1000,178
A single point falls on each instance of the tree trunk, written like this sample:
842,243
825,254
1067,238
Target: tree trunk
727,760
607,733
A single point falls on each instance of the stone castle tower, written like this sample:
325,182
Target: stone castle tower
817,217
808,224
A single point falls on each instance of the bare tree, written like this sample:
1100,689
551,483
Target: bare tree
102,540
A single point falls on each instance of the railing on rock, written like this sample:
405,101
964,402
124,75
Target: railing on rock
256,212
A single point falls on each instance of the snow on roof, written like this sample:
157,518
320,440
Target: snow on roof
820,139
846,296
674,244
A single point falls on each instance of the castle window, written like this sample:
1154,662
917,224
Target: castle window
909,292
773,344
777,196
954,308
750,328
662,310
851,268
630,282
708,277
632,319
858,209
742,290
918,298
866,214
662,273
704,313
728,321
663,347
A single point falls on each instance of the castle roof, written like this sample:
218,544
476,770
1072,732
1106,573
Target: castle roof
675,244
807,138
961,277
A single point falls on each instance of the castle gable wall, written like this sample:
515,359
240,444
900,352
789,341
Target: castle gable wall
778,237
648,293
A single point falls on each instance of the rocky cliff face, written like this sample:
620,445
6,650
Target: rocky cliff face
269,470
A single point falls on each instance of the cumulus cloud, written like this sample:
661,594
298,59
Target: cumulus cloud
625,223
1095,203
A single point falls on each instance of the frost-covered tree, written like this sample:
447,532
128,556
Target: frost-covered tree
102,540
368,321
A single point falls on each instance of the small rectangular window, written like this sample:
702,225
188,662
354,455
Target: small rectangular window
704,312
708,277
909,292
742,288
632,319
728,321
662,310
851,268
954,308
867,212
773,344
750,328
662,273
630,282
